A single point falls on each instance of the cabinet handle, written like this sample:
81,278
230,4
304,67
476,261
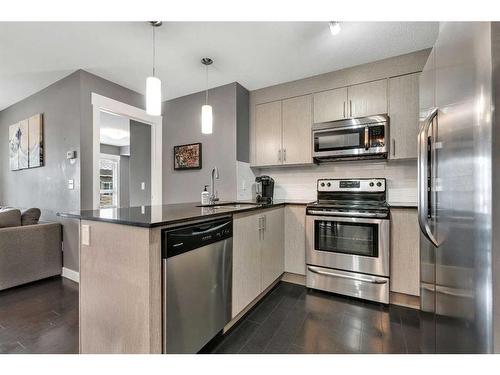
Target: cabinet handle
284,154
344,108
350,108
279,155
393,147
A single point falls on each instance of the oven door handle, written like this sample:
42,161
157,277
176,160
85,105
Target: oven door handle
371,280
348,214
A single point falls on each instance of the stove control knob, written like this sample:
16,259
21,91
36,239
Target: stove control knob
379,184
322,184
328,184
371,184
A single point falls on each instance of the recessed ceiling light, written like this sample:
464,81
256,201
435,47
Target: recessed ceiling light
334,27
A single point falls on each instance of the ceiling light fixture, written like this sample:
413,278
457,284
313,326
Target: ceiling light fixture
334,27
153,83
206,110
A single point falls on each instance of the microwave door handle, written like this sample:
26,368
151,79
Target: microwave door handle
367,138
423,178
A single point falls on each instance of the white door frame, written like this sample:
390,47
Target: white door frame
102,103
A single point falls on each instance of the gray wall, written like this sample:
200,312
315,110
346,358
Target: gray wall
67,110
46,187
181,125
242,124
140,163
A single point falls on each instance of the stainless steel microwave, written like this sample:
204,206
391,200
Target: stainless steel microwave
356,138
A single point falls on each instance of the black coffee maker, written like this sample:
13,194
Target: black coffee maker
264,189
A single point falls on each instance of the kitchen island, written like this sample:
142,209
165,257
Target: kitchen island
121,273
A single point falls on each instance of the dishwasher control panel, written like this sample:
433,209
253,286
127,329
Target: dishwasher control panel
188,237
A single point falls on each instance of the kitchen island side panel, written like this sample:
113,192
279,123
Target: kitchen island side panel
120,289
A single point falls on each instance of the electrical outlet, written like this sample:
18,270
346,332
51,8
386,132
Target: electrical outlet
71,184
85,235
143,186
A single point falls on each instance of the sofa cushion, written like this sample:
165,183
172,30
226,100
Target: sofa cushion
30,216
10,218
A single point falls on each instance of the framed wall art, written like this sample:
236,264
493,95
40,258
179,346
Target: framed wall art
26,143
187,156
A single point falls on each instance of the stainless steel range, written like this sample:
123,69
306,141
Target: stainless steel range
347,239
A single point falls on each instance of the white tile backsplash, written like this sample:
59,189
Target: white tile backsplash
300,182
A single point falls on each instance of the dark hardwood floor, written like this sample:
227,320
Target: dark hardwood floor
42,317
293,319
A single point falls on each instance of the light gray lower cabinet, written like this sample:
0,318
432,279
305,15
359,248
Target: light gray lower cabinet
295,239
405,251
273,255
403,114
258,254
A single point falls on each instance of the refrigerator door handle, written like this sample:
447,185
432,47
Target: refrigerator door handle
423,178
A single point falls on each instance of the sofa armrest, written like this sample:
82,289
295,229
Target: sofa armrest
29,253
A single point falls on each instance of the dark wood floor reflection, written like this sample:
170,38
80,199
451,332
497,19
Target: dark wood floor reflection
40,317
293,319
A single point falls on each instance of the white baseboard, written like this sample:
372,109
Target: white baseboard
70,274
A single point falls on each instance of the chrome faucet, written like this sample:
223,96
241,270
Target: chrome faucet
213,194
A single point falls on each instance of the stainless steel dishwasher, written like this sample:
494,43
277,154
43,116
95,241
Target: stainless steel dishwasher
197,283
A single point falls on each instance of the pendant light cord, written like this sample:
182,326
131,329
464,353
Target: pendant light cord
206,94
154,50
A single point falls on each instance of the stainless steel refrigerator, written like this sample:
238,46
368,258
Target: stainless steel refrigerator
457,173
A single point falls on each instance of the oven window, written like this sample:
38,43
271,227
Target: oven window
349,238
339,140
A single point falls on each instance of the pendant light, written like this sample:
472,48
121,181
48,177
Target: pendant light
206,110
153,83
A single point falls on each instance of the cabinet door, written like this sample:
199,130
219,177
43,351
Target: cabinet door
295,239
268,134
330,105
246,261
368,99
273,256
403,114
405,251
297,130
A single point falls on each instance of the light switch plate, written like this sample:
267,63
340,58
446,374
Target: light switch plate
143,186
85,235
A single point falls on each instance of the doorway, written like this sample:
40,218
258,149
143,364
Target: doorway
127,155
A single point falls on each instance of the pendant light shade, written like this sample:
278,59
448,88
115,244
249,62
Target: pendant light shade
206,110
153,96
153,83
206,119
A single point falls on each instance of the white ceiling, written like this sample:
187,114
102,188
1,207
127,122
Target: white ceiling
114,130
257,54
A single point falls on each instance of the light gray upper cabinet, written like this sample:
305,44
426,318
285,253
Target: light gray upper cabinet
297,113
368,99
330,105
268,129
403,114
283,132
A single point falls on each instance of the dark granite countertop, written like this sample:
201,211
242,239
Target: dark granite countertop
155,216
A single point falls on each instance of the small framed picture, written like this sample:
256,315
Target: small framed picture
187,156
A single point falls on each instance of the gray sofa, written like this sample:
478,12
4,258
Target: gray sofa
29,253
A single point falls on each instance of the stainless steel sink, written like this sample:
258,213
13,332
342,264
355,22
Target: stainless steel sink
229,205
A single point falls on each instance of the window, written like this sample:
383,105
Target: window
108,181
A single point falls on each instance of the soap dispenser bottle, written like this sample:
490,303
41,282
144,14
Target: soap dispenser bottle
205,196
